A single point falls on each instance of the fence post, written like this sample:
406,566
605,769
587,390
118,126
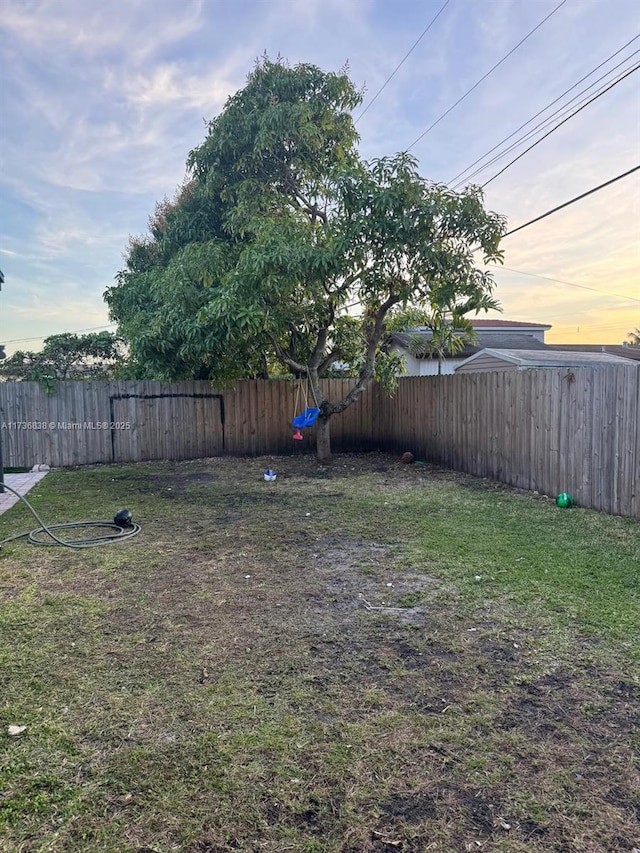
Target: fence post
1,460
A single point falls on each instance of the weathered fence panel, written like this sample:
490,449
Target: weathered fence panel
548,430
88,422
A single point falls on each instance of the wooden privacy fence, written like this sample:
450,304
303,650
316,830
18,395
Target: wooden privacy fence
85,422
548,430
89,422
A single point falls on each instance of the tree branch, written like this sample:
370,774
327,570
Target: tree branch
318,350
328,361
366,374
312,209
285,359
349,280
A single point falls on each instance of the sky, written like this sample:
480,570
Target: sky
101,104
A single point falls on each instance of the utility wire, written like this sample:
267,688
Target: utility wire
402,61
570,283
546,278
543,216
596,328
558,324
76,332
544,109
561,113
484,77
564,121
571,201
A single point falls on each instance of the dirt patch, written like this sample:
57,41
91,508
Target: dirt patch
175,484
411,808
205,846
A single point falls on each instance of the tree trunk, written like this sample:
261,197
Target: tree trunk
323,438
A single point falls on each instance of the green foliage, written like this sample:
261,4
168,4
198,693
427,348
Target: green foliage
634,337
278,143
282,234
97,355
449,336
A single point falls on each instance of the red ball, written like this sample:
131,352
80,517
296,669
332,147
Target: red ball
407,458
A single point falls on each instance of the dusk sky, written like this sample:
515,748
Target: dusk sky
102,102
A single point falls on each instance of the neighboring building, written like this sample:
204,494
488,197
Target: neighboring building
622,350
517,359
493,334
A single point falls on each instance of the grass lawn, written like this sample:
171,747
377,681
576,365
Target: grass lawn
360,658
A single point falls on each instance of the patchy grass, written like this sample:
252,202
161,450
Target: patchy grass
311,665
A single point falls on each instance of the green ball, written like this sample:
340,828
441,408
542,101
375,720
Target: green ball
564,499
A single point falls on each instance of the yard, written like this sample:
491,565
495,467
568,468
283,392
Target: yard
361,658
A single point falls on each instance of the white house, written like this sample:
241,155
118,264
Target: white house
494,334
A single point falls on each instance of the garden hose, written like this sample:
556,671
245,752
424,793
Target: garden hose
119,531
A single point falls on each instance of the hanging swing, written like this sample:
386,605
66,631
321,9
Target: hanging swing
306,418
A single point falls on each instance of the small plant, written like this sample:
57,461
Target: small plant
411,599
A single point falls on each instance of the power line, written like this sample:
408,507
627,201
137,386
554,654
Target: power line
544,109
571,201
76,332
402,61
570,283
490,71
598,328
542,125
564,121
543,216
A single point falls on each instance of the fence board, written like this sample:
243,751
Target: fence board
632,457
553,426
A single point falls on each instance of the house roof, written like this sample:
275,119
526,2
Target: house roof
550,358
628,351
502,324
486,338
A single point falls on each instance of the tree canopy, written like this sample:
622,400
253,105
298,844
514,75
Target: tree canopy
67,356
285,251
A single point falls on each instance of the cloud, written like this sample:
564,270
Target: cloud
105,102
167,85
56,239
136,30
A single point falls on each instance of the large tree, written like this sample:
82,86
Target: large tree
286,248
